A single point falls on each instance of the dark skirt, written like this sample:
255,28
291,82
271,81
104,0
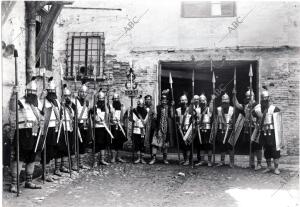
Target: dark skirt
62,149
219,141
138,142
26,145
51,145
86,138
182,144
269,145
119,138
102,139
206,146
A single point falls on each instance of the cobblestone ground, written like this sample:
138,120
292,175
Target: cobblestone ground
165,185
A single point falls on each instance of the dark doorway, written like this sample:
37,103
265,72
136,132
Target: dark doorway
224,72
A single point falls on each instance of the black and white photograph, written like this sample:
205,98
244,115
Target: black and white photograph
150,103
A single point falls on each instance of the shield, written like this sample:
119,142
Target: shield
213,132
278,130
41,140
256,134
237,130
188,135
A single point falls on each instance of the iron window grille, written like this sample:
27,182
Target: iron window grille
85,53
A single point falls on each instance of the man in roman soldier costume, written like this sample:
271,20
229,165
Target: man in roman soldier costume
51,103
151,122
117,128
183,119
225,121
202,131
250,120
139,118
269,119
102,140
68,113
162,134
82,116
30,121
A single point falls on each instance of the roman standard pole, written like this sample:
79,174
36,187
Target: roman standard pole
174,118
250,115
17,120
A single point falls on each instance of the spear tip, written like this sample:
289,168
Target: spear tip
170,78
250,71
213,78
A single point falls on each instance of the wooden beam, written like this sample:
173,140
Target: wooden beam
41,4
186,74
94,8
47,27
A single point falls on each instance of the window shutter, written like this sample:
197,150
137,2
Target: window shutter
196,9
228,8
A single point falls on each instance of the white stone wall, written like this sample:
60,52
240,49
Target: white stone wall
13,32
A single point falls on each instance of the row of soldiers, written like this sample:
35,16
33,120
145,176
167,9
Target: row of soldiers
103,126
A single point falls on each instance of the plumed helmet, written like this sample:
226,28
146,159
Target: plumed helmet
265,92
249,93
183,97
164,94
31,87
83,88
140,100
66,91
202,97
115,95
196,97
100,95
225,98
51,85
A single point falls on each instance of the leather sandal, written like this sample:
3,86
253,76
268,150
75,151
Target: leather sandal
31,185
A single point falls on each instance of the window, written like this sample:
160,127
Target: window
208,9
45,58
85,55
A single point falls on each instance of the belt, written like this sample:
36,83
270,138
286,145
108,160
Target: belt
23,122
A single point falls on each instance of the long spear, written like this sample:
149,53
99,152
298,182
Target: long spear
214,113
76,122
250,129
94,118
17,120
44,151
65,117
174,120
234,110
193,118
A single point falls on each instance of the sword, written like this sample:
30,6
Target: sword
122,130
180,130
59,131
79,135
199,134
107,129
226,133
38,140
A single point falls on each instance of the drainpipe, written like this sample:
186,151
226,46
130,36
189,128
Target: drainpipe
31,39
